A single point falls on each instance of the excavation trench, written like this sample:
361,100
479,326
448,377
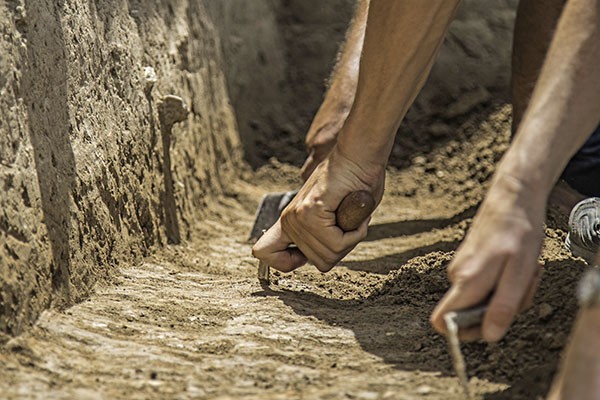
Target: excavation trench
124,267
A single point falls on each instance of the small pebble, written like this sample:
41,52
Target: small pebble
545,310
424,389
150,79
419,160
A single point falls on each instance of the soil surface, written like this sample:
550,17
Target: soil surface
193,321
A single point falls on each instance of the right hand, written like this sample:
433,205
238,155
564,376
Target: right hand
498,258
309,221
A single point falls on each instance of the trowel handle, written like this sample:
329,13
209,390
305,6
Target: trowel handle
470,317
354,209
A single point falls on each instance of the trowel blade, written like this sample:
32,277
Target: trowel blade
269,210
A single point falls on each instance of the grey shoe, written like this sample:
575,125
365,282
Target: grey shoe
583,239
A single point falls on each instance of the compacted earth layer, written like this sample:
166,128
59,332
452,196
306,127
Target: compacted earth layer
193,321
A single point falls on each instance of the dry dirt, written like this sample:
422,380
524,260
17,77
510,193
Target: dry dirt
193,321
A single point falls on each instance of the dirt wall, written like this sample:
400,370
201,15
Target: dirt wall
90,170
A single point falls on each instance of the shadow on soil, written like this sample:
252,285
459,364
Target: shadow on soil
389,263
393,322
403,228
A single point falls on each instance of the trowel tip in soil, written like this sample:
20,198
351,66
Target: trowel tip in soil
263,273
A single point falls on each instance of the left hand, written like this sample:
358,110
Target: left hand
499,257
322,136
309,221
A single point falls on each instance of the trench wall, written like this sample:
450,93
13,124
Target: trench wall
92,169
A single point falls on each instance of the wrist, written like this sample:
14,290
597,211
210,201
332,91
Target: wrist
527,172
369,173
368,155
506,185
365,145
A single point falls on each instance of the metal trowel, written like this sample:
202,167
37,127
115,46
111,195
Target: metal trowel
456,320
268,211
352,211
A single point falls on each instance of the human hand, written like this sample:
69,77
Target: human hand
498,258
309,220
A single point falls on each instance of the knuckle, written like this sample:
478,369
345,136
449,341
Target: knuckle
456,269
288,220
329,261
285,216
257,251
300,211
435,322
461,276
303,208
324,266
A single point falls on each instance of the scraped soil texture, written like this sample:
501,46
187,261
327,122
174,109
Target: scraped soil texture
194,322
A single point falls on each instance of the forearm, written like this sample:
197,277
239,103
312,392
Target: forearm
342,84
565,105
401,41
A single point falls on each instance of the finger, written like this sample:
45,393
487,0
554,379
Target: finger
472,285
459,297
319,238
332,246
470,334
351,238
528,299
512,287
313,249
335,239
309,166
273,249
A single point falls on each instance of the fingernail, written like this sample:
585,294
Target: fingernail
493,333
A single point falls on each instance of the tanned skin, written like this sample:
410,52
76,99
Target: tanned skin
334,109
409,33
501,249
579,374
499,254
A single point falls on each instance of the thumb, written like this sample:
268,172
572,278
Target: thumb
273,249
309,166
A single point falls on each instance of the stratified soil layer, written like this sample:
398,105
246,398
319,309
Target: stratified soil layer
193,321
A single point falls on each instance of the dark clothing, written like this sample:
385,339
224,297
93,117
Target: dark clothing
583,171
